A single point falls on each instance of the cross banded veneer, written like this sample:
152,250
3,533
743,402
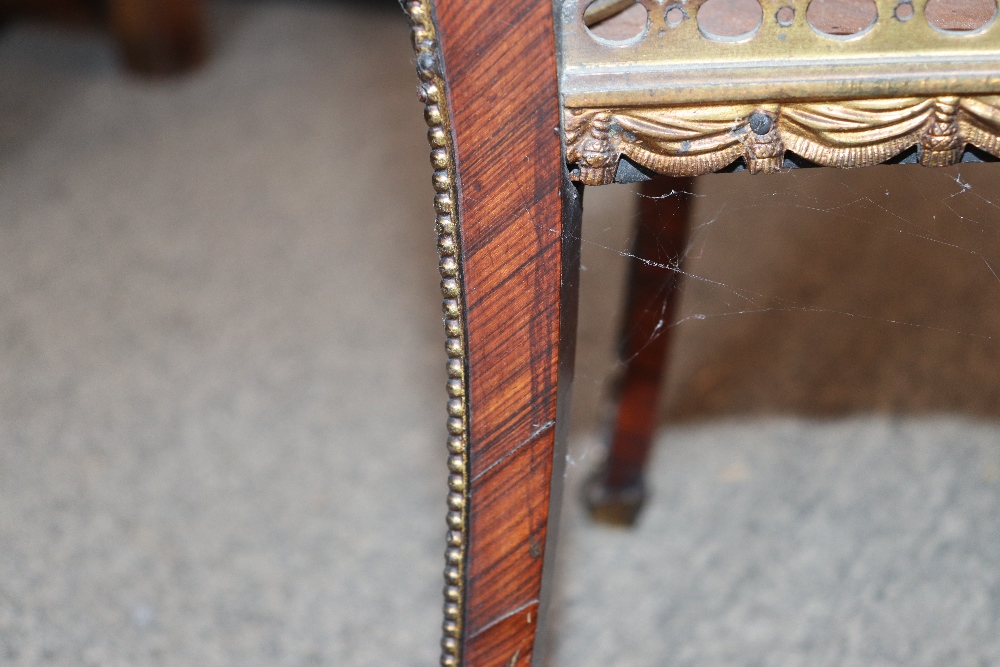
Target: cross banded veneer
526,104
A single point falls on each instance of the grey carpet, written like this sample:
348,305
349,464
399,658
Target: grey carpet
221,383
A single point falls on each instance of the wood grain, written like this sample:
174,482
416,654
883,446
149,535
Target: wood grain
960,15
500,67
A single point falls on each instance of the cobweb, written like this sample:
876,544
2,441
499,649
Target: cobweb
813,291
824,489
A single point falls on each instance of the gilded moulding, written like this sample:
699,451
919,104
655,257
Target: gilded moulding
700,139
680,61
432,94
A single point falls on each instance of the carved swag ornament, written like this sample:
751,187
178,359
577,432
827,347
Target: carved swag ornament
694,140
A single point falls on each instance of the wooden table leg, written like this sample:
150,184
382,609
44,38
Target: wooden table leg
508,220
616,492
160,36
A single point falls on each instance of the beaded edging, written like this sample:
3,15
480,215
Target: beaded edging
432,94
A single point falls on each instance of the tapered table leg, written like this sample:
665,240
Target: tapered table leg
160,36
616,492
507,219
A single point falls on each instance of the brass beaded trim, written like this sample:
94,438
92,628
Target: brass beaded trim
432,94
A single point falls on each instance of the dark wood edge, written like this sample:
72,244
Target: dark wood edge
502,90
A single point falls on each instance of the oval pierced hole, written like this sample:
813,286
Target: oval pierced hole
730,20
784,16
842,18
615,20
963,16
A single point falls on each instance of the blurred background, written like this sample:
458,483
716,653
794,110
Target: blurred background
221,374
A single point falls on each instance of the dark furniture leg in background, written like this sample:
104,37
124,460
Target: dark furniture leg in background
154,37
616,492
158,37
